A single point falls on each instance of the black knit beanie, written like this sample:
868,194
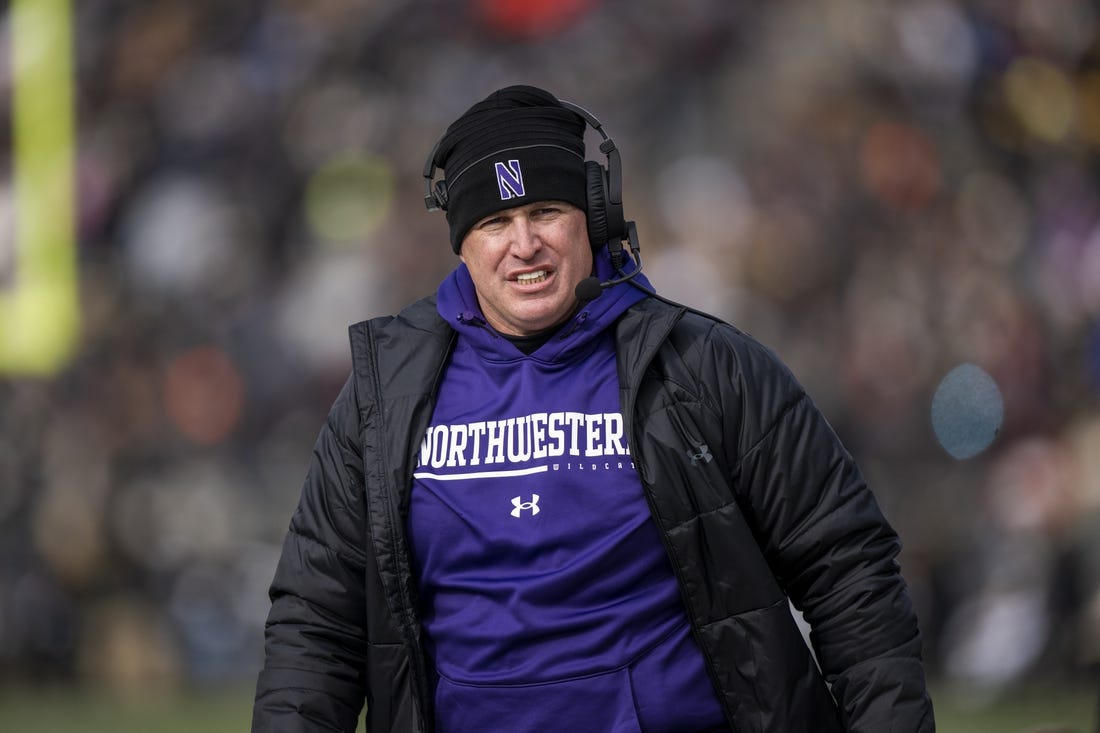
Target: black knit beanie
517,146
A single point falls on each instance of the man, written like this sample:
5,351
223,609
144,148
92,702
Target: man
533,511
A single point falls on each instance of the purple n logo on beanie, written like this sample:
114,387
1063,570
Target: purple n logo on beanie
509,179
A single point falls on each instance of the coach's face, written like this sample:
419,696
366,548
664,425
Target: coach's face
526,262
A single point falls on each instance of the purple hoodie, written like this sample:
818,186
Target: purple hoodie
547,599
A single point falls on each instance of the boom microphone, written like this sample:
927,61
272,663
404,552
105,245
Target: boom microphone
587,289
591,287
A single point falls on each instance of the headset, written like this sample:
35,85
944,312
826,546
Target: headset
607,226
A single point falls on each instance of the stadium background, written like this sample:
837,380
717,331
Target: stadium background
881,191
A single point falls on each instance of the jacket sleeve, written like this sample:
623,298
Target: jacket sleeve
830,547
313,677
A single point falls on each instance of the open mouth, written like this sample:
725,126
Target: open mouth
530,278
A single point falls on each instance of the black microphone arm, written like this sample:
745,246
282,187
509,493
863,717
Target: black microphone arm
591,287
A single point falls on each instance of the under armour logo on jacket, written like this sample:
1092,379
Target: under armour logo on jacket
703,456
509,179
520,505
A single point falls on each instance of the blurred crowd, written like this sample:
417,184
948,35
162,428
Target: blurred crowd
879,191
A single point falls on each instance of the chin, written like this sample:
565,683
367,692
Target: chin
531,325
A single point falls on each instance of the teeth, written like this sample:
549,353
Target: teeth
532,277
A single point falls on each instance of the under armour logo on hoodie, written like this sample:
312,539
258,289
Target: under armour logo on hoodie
520,505
703,456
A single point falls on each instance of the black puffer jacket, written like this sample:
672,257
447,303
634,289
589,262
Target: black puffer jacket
756,499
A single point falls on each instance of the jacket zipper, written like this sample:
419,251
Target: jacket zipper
647,491
408,619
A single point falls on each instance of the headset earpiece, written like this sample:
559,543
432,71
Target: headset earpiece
439,194
435,197
596,197
606,222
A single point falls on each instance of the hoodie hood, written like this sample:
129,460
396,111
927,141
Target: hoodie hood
458,305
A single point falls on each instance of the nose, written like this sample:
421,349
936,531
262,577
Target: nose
525,239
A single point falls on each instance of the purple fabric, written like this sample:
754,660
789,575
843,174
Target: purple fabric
543,582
